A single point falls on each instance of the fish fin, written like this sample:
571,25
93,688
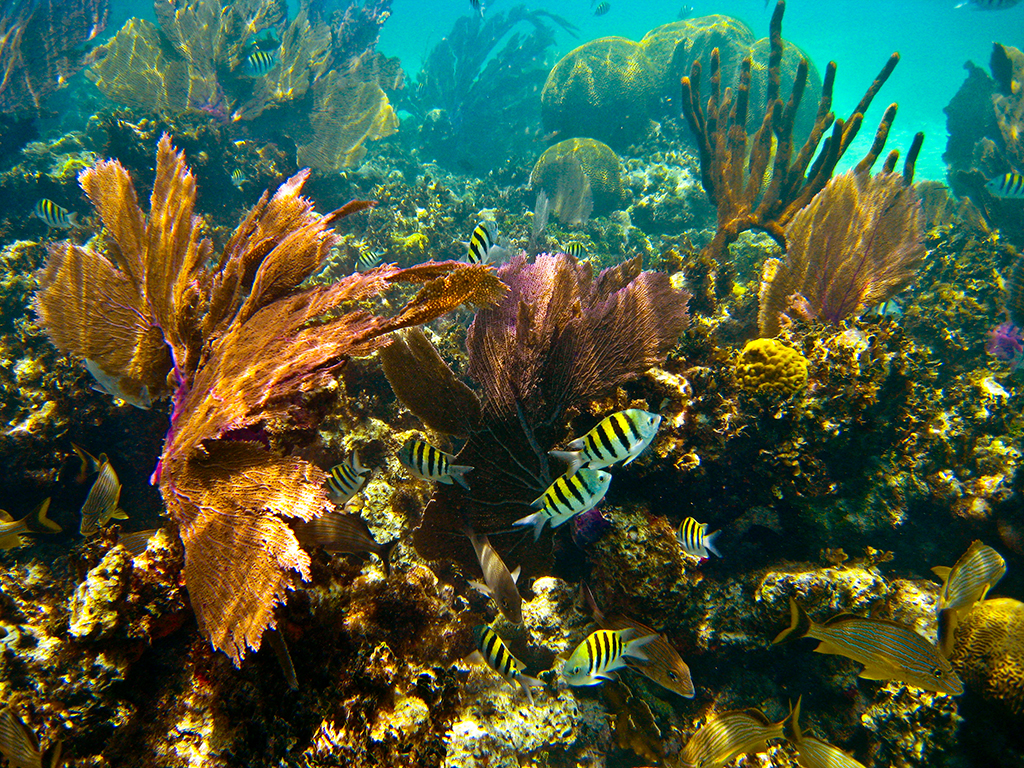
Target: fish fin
573,458
476,658
799,623
90,464
791,725
5,516
709,543
516,573
941,571
356,466
480,587
537,520
446,480
947,630
9,542
578,444
984,592
457,472
588,598
538,503
633,647
119,514
386,550
526,682
42,519
872,672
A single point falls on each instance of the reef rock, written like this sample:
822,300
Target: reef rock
94,607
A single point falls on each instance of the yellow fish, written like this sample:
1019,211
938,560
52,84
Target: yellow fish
726,735
101,503
967,582
888,650
812,752
12,532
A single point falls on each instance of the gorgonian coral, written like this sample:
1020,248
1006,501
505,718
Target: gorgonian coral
1006,344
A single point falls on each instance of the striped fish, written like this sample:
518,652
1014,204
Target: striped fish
888,650
726,735
664,665
1009,185
258,63
346,479
137,542
812,752
990,5
428,463
483,244
603,652
602,9
238,178
101,503
13,532
567,497
619,437
967,582
695,539
576,249
348,534
498,584
54,216
493,652
90,464
368,260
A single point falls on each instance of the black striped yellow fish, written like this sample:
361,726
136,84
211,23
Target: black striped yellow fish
493,652
812,752
499,583
695,539
258,63
368,259
55,216
343,533
238,178
603,652
1009,185
429,463
101,503
602,8
967,582
726,735
346,479
576,249
888,650
13,533
567,497
483,245
622,436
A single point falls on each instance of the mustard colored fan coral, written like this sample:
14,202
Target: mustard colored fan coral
989,651
767,366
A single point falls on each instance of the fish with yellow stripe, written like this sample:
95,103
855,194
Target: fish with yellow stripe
13,532
1009,185
567,497
55,216
102,502
728,734
346,479
695,540
429,463
812,752
967,582
483,247
493,652
622,436
603,652
888,650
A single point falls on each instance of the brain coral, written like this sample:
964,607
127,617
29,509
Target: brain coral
603,89
769,366
791,56
989,651
599,163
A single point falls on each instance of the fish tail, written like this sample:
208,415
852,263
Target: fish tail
386,550
947,629
525,682
632,648
41,518
799,623
709,542
458,472
791,725
537,520
591,603
573,458
359,468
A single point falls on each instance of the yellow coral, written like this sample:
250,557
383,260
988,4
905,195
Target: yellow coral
769,366
600,165
989,651
415,245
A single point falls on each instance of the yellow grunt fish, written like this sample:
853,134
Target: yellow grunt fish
967,582
888,650
812,752
726,735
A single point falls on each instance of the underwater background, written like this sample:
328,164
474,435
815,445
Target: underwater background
581,383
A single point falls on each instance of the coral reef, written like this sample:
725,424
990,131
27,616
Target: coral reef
599,165
771,367
988,651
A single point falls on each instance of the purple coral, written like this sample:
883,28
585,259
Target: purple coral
1005,343
589,526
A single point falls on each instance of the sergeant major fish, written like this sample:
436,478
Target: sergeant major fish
602,9
498,583
888,650
576,249
346,479
55,216
603,652
337,532
812,752
622,436
368,259
1009,185
726,735
483,244
497,656
101,503
429,463
695,539
238,178
967,582
258,63
567,497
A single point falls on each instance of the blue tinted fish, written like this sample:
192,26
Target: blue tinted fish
345,480
622,436
429,463
238,178
1009,185
990,5
602,9
258,63
567,497
54,216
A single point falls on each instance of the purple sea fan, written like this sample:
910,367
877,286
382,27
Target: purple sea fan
589,526
1005,343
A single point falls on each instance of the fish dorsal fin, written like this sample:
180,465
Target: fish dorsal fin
757,714
5,516
515,574
941,571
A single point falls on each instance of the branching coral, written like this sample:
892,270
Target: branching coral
857,244
559,338
239,344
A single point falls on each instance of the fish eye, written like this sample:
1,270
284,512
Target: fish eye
672,675
937,672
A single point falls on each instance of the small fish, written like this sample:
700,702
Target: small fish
111,385
483,244
137,542
368,260
887,309
284,658
619,437
498,584
576,249
476,5
13,532
238,178
685,12
888,651
603,652
967,582
493,652
726,735
427,462
1009,185
101,503
54,216
664,664
812,752
602,9
695,539
90,464
346,479
258,63
989,5
348,534
567,497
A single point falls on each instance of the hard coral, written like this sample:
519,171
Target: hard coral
767,366
599,164
989,651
